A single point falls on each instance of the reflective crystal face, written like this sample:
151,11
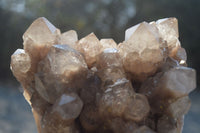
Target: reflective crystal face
59,71
108,43
142,50
90,47
168,28
20,64
138,108
70,38
38,39
116,98
140,85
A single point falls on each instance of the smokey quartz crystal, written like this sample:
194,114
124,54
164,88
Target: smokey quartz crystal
140,85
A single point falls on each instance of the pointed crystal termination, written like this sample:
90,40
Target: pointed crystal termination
179,54
176,82
62,68
92,86
20,66
142,50
108,43
70,38
168,28
168,86
90,47
38,39
60,118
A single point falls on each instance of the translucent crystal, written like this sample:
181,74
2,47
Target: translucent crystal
140,85
109,58
138,108
68,107
179,54
38,39
39,104
108,43
179,81
169,125
90,47
142,50
59,70
91,88
169,63
115,99
110,75
60,118
179,107
40,31
121,126
70,38
109,64
20,64
168,28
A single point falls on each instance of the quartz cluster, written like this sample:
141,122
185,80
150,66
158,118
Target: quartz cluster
89,85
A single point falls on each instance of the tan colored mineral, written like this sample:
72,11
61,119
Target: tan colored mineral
108,43
38,39
168,28
138,108
59,71
142,50
140,85
91,47
70,38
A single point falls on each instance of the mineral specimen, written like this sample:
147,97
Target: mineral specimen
96,86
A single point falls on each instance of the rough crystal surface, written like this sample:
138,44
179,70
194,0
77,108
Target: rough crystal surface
142,50
38,39
59,71
20,64
70,38
140,85
108,43
115,99
168,28
91,47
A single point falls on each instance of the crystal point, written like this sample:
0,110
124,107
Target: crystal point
140,85
90,47
142,50
70,38
38,39
60,70
168,29
108,43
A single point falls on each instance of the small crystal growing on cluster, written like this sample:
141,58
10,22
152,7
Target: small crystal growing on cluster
89,85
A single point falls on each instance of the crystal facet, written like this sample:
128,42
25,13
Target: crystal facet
142,50
140,85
